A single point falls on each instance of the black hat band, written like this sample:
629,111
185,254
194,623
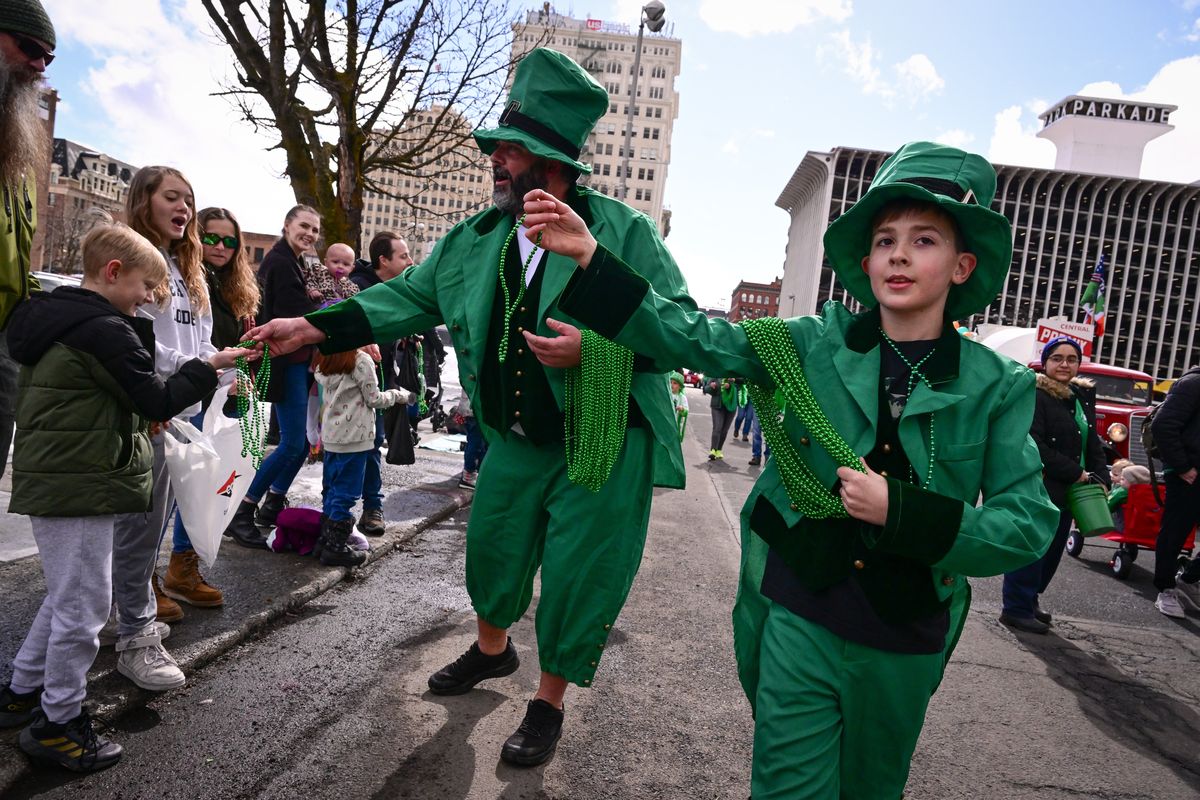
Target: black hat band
513,118
943,187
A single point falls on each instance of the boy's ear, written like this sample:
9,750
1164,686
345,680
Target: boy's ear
963,269
112,270
866,260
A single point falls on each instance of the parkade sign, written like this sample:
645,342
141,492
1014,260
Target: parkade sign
1052,327
1100,108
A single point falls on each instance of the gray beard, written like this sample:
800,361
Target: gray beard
511,200
26,143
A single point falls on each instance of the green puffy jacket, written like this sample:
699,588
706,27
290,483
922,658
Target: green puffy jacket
86,389
18,220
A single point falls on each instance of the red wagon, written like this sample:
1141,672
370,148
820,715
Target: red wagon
1143,517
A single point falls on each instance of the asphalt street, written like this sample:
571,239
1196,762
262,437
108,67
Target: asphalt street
333,702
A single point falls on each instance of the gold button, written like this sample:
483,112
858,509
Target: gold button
457,327
600,647
520,329
522,309
471,377
947,581
804,441
887,448
517,392
795,507
883,473
466,351
858,564
516,413
518,373
520,351
593,663
587,682
608,627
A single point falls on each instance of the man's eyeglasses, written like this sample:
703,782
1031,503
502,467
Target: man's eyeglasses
212,240
1069,360
32,49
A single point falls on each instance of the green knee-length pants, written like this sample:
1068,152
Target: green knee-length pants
526,514
835,719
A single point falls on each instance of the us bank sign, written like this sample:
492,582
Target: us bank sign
1100,108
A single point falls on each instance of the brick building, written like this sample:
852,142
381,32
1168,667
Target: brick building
753,300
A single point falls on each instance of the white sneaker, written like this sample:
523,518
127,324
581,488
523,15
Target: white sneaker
1168,604
109,636
147,663
1188,594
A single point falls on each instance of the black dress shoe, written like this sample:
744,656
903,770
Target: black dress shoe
537,738
1027,624
472,667
1041,616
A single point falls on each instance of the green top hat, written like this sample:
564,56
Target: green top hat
552,107
960,183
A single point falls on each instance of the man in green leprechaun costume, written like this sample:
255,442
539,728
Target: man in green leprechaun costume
575,446
905,468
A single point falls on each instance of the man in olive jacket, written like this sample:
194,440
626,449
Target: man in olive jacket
489,284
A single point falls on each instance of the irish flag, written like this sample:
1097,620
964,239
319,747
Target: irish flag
1092,299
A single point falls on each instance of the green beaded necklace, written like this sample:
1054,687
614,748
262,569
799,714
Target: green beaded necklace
914,375
596,404
252,406
510,308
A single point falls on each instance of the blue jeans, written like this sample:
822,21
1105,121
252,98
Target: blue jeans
1022,586
344,474
372,487
756,440
744,419
476,447
280,468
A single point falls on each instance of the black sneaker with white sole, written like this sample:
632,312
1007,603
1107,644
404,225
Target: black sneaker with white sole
472,667
73,744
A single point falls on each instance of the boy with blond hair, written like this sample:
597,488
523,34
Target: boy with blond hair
859,534
81,460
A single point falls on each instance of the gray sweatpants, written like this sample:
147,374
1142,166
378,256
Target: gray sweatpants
136,540
76,555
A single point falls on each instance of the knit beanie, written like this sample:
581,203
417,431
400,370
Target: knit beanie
1060,340
27,17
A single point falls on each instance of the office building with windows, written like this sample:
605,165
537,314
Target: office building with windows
607,50
753,300
1063,219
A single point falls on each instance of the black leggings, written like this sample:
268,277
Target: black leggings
722,419
1181,512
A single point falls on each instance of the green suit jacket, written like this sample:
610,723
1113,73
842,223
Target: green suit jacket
456,285
988,512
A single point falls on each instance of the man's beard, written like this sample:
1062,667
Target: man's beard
511,199
26,147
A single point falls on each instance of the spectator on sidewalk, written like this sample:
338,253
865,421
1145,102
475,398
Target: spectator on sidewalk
1064,427
284,294
744,420
679,402
1176,429
756,444
26,49
476,447
83,465
330,282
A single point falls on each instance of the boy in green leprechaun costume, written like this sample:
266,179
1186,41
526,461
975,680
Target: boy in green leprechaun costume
576,446
907,467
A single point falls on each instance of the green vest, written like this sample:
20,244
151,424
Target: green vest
18,220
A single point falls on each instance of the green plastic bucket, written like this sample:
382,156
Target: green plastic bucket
1089,507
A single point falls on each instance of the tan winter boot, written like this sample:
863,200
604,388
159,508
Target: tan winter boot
168,609
184,582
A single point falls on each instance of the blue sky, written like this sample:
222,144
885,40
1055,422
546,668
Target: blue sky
756,94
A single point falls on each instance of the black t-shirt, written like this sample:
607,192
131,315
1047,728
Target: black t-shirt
844,608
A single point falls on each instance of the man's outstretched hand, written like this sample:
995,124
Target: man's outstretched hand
561,229
282,336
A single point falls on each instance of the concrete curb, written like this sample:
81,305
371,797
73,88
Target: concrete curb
110,695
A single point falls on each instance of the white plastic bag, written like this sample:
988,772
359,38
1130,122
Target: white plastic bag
209,475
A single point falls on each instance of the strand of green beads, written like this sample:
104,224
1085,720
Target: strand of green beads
510,307
252,404
915,374
596,414
773,345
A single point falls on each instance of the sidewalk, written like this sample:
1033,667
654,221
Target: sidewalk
260,587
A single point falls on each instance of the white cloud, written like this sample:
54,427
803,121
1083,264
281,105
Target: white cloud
956,137
914,79
1194,36
154,74
764,133
918,78
1175,156
770,16
731,146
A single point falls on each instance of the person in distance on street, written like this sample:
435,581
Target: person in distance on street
1064,427
82,464
862,527
574,448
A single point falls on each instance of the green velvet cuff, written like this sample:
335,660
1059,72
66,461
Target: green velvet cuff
605,295
921,525
345,327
